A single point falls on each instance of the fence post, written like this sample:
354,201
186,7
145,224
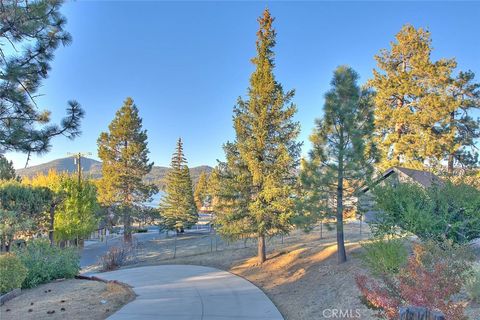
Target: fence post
211,242
175,246
419,313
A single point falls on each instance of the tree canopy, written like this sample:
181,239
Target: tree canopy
31,31
422,112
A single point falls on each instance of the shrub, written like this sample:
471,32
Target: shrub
384,257
440,212
12,272
432,277
472,284
46,263
116,257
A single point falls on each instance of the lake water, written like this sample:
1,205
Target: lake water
156,199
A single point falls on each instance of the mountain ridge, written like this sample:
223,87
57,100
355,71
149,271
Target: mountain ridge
93,168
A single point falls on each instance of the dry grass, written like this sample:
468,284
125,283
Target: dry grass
69,299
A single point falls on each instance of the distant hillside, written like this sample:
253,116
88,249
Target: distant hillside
93,168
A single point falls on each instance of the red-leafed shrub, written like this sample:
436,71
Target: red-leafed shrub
434,274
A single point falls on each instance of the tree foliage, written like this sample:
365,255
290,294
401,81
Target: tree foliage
30,32
423,113
439,212
76,216
465,97
231,185
343,152
264,153
7,171
124,154
22,210
201,193
177,209
72,207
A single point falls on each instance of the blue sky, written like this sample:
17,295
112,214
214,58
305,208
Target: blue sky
185,63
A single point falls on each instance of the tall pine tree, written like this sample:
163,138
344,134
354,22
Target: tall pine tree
412,102
263,158
343,151
124,154
177,209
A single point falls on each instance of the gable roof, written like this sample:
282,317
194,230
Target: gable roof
424,178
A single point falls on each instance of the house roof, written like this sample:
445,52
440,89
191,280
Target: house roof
424,178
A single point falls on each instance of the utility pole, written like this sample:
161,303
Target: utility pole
78,161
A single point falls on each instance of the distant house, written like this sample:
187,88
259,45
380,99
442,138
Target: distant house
393,177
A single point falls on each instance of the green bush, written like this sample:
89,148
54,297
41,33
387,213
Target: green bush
46,263
385,257
12,272
441,212
472,284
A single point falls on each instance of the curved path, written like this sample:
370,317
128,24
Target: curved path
181,292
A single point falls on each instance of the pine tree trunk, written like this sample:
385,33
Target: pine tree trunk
127,230
450,156
52,224
262,256
341,254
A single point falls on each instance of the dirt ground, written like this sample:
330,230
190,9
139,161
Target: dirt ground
301,276
68,299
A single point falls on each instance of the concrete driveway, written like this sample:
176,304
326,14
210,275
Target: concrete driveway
181,292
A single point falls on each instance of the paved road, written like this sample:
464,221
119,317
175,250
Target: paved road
91,253
180,292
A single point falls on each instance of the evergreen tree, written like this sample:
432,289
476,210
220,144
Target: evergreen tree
265,148
177,208
412,102
22,211
465,96
201,193
38,27
7,172
124,154
231,186
343,151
